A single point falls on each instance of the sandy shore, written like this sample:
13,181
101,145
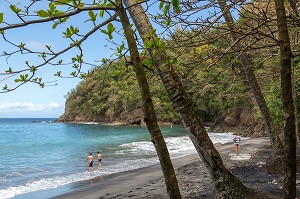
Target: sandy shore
193,178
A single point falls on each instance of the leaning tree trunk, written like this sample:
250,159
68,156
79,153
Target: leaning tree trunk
149,114
251,79
287,102
226,184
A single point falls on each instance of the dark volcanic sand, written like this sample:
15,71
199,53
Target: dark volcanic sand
193,177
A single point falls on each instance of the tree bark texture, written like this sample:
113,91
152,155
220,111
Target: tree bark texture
149,113
296,104
226,184
251,79
287,102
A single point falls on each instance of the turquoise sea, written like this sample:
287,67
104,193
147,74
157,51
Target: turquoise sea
39,156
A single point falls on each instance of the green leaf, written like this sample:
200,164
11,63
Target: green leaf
79,58
161,5
167,7
33,68
68,33
83,75
105,32
58,74
148,44
75,66
15,9
153,32
57,13
101,14
54,25
63,19
72,30
175,4
1,17
92,15
9,70
156,41
18,80
62,2
161,46
5,87
48,47
21,45
52,8
80,5
43,13
168,21
121,47
148,63
110,28
74,59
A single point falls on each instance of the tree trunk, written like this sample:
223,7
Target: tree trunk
251,79
226,184
287,103
149,114
296,104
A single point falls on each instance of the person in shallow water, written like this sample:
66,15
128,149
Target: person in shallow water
90,160
99,159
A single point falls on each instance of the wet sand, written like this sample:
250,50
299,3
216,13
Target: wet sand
193,178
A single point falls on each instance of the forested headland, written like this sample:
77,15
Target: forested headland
218,89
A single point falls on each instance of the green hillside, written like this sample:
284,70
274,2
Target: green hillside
218,90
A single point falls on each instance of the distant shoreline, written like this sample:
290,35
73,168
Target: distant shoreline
116,123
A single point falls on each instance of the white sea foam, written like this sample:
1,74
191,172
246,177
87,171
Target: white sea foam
46,183
50,183
88,123
177,146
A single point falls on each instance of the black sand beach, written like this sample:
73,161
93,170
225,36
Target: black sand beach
193,178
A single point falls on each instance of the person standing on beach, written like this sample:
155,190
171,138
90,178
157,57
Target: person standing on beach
99,159
236,142
90,160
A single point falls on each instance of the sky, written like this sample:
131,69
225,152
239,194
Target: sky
29,100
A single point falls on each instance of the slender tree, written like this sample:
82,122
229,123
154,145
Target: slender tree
251,79
287,102
149,113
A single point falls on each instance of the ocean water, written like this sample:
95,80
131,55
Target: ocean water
37,154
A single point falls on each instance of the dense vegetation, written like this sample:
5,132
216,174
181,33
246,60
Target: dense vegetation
110,92
218,90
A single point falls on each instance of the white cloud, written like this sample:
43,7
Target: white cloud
27,106
36,45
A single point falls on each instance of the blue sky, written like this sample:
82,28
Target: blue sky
30,100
